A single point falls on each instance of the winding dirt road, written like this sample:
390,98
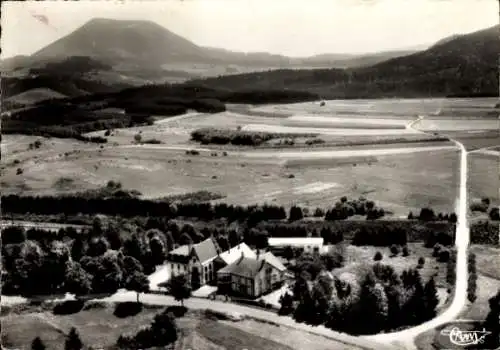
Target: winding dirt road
406,337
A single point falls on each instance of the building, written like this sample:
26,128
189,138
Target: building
251,276
188,258
204,258
307,244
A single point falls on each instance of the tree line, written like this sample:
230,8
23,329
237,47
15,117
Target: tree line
216,136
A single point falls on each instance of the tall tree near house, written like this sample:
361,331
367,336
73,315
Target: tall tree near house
234,238
195,278
73,341
179,288
138,282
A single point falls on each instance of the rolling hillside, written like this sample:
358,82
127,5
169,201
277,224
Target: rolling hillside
465,65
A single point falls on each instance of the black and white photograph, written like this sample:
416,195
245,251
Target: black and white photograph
250,175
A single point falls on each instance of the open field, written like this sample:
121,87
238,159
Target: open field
395,175
484,179
398,182
98,327
408,108
357,256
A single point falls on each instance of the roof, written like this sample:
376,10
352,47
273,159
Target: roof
205,250
272,260
247,267
233,254
250,266
278,241
182,250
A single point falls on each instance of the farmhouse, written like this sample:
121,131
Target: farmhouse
205,258
251,276
307,244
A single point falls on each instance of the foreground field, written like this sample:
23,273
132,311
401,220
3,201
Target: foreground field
99,328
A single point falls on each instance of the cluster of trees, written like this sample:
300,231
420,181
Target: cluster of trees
380,300
162,332
492,324
98,261
346,208
72,342
484,206
237,137
428,214
129,207
169,106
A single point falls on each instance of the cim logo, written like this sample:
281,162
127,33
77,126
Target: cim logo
463,334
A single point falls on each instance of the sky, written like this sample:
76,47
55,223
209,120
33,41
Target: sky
294,28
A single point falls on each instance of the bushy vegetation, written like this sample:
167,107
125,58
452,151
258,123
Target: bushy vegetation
237,137
162,331
379,300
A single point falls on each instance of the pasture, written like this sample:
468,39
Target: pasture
100,328
397,182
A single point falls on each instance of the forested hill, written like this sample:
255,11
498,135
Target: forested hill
465,65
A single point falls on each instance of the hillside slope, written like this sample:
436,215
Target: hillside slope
466,65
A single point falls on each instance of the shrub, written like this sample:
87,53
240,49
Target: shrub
378,256
192,152
444,255
107,133
152,141
436,250
406,252
176,310
68,307
138,137
494,214
19,171
479,206
127,309
224,154
421,261
319,213
394,250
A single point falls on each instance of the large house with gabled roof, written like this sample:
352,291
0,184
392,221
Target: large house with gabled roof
251,276
204,257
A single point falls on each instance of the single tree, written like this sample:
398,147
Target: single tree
406,252
296,213
286,301
138,282
431,299
73,341
378,256
37,344
179,288
77,280
288,253
195,278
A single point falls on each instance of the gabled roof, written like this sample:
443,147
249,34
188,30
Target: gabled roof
246,267
205,250
250,266
233,254
272,260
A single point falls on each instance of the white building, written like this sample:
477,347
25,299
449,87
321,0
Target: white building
307,244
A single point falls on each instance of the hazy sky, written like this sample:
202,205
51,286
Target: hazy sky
289,27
